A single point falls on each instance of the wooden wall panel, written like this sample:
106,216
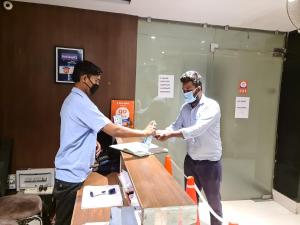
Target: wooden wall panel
29,97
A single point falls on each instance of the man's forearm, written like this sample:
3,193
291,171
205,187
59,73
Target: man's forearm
176,133
119,131
127,132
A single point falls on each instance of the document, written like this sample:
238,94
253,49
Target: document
242,107
166,86
101,196
139,149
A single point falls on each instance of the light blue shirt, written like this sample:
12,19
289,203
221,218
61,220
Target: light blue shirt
81,120
200,127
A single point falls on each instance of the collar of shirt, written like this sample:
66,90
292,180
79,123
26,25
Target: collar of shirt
200,103
202,100
79,92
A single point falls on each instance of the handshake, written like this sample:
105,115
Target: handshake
160,135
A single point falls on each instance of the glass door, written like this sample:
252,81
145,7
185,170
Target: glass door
248,144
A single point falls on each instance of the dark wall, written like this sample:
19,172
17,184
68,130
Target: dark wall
29,97
287,166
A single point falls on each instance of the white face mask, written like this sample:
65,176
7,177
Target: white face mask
189,97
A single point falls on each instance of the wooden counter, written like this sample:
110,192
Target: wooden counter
153,185
155,188
81,216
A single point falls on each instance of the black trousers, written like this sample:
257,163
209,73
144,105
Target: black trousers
64,194
208,175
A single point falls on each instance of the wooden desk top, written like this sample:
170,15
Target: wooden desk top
154,186
81,216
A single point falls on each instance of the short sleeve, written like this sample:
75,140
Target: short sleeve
91,116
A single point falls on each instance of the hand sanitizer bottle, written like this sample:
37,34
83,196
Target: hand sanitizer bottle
148,140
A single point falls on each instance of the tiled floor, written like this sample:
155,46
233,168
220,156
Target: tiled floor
248,212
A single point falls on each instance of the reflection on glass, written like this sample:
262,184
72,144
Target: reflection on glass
248,144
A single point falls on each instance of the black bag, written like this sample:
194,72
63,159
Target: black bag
109,159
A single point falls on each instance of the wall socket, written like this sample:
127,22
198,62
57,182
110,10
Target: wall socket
11,181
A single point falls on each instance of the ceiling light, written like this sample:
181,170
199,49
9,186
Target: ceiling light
153,37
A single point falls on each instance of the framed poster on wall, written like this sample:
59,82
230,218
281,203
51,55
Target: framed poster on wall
66,58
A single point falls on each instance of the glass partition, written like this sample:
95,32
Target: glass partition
248,144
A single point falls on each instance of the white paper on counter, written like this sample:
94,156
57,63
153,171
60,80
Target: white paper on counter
139,149
101,201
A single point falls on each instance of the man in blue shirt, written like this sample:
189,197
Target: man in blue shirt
198,123
81,120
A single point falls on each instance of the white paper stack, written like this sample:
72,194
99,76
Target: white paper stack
125,181
101,198
139,148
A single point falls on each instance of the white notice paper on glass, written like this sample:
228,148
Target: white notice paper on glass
242,107
166,86
101,198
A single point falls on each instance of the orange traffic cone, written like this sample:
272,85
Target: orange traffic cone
190,190
168,164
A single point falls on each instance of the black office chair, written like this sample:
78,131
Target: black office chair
6,146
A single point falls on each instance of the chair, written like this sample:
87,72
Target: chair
20,209
6,146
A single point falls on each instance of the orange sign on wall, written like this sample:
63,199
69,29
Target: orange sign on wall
124,108
243,87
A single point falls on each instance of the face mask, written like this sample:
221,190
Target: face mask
189,97
93,88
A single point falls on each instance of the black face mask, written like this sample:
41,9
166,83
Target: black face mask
93,88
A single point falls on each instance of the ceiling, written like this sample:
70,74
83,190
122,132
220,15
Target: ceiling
255,14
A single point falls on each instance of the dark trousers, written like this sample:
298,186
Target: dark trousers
207,175
65,195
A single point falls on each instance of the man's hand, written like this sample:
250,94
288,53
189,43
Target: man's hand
98,149
163,135
150,129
